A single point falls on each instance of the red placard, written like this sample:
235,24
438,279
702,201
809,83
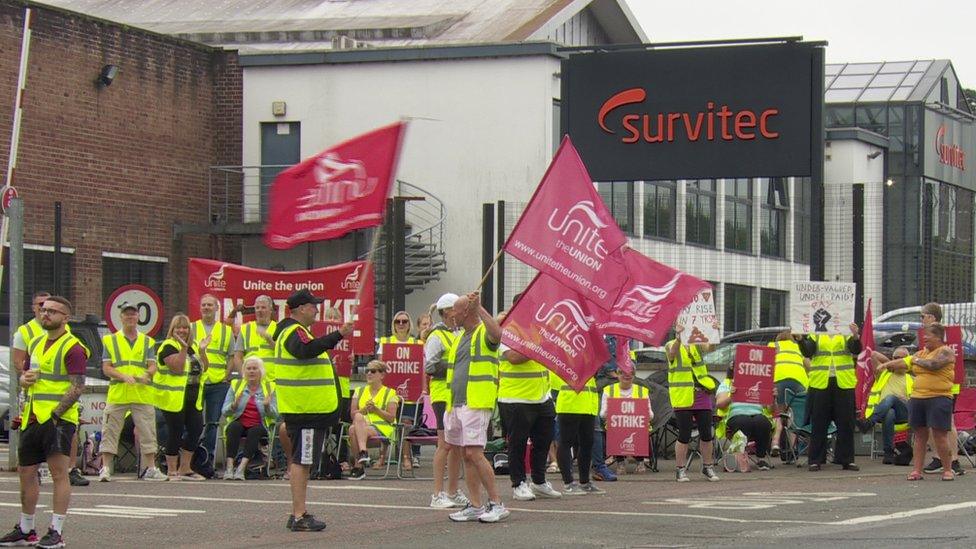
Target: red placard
628,421
405,369
232,284
754,374
953,338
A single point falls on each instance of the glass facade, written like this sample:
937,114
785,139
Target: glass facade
772,308
700,212
660,215
738,215
619,197
738,308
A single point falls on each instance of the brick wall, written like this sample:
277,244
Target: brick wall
127,161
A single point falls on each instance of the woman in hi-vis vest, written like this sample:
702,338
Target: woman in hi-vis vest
690,389
400,333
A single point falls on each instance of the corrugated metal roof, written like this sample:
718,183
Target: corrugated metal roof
308,24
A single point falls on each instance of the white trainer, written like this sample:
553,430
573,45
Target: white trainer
239,473
104,475
522,492
228,474
460,500
154,474
441,501
545,490
495,512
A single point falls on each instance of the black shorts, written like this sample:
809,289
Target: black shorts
40,440
439,409
934,413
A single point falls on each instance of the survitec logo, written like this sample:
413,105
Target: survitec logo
949,154
642,303
351,282
216,280
581,226
338,182
564,324
714,122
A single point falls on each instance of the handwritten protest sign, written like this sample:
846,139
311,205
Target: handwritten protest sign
822,307
700,320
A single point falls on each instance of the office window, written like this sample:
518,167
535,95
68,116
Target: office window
619,198
775,209
700,212
117,272
659,209
772,308
738,308
738,215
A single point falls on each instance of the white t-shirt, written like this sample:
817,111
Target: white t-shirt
625,393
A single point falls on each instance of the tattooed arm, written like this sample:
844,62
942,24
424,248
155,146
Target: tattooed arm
71,397
943,358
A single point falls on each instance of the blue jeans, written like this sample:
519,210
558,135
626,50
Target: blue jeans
888,412
213,400
599,457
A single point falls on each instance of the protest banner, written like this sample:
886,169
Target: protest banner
556,327
405,369
341,189
567,232
700,320
233,284
628,422
754,366
822,307
651,300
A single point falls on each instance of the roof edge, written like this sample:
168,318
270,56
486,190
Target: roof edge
409,53
857,134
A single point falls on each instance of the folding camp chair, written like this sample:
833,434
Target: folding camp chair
800,426
425,412
964,417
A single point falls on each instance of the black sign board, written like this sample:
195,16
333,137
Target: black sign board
731,111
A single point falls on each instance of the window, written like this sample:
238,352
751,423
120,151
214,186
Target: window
619,198
659,209
775,208
117,272
772,308
738,308
801,220
39,276
700,210
738,215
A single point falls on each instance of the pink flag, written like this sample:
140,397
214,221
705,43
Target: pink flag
865,366
624,363
555,326
334,192
651,300
567,232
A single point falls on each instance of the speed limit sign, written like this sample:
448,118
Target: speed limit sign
146,302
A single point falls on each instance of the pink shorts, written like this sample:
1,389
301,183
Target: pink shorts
465,426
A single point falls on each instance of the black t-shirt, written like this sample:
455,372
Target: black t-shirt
195,367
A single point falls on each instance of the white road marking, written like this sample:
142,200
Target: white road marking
281,484
17,505
123,511
758,500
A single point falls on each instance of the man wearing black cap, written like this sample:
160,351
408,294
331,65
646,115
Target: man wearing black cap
129,362
308,397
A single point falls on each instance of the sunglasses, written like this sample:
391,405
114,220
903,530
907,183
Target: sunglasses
374,371
401,321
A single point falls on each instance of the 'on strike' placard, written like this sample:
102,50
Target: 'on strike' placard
628,420
404,369
753,380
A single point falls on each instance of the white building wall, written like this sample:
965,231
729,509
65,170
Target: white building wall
846,163
482,132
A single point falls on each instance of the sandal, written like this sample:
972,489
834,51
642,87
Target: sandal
553,468
948,475
193,476
915,475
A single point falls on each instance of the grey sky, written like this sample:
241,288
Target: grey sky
857,30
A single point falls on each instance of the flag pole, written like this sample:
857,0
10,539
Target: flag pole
490,268
369,263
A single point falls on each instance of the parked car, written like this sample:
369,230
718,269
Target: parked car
723,355
889,335
651,355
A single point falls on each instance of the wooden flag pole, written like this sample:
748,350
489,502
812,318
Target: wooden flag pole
490,268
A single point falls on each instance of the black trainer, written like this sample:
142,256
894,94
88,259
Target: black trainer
17,538
77,479
357,473
307,523
957,468
290,523
934,466
51,540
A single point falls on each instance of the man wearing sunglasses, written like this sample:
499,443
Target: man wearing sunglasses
308,396
54,382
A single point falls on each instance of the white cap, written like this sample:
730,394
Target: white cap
446,301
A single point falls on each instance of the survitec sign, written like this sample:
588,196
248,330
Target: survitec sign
732,111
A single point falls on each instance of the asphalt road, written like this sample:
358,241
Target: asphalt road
875,507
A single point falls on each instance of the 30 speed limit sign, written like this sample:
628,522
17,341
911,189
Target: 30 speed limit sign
146,302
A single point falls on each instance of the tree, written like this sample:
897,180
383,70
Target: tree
970,98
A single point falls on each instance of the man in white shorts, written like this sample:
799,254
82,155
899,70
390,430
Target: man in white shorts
473,383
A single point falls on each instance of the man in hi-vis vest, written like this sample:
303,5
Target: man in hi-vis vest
830,397
220,354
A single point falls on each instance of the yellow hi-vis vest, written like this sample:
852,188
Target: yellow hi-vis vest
255,345
32,329
586,402
130,359
364,394
874,397
218,352
170,386
482,388
304,385
637,391
526,381
682,373
438,388
832,350
53,380
789,362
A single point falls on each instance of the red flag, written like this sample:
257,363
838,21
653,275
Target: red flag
865,366
567,232
624,363
334,192
651,299
555,326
